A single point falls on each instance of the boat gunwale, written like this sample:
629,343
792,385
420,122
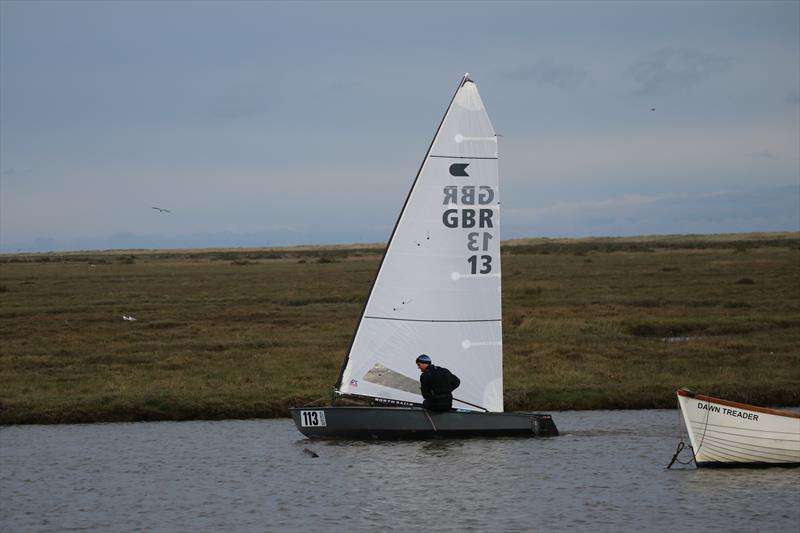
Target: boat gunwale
416,408
710,399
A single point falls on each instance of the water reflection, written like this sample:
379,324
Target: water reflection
441,447
605,472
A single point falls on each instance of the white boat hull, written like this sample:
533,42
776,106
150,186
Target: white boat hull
725,433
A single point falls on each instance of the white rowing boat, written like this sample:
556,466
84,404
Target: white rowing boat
725,433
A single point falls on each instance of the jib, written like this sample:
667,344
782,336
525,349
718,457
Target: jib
468,218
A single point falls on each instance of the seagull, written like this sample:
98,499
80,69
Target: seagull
129,318
162,210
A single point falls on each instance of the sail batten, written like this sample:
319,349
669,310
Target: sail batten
431,320
437,290
460,157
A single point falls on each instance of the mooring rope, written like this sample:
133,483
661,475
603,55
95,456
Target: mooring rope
682,444
705,428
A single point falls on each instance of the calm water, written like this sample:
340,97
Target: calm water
606,472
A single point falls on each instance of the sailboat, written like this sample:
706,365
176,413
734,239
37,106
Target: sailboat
437,292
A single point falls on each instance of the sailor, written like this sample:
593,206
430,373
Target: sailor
437,385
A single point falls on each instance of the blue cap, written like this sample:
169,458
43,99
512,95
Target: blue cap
424,359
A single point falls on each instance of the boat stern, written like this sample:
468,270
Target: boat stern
544,426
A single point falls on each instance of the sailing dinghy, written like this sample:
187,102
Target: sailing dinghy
437,292
725,433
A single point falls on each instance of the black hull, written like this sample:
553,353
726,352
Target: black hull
369,423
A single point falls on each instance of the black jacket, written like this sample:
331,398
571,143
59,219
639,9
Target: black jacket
437,384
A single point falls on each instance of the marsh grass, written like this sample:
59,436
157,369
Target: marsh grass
589,323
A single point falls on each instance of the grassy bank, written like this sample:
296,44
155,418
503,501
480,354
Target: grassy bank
589,324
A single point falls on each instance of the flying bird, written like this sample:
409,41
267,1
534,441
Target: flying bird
652,109
129,318
162,210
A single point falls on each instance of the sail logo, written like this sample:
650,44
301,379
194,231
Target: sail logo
465,216
466,195
459,170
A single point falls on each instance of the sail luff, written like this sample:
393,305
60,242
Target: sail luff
338,384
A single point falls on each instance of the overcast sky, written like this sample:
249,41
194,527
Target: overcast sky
262,124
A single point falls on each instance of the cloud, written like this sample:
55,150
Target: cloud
673,69
729,211
546,73
238,102
725,211
565,208
236,110
12,172
764,154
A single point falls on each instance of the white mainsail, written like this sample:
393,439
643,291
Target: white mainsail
438,288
